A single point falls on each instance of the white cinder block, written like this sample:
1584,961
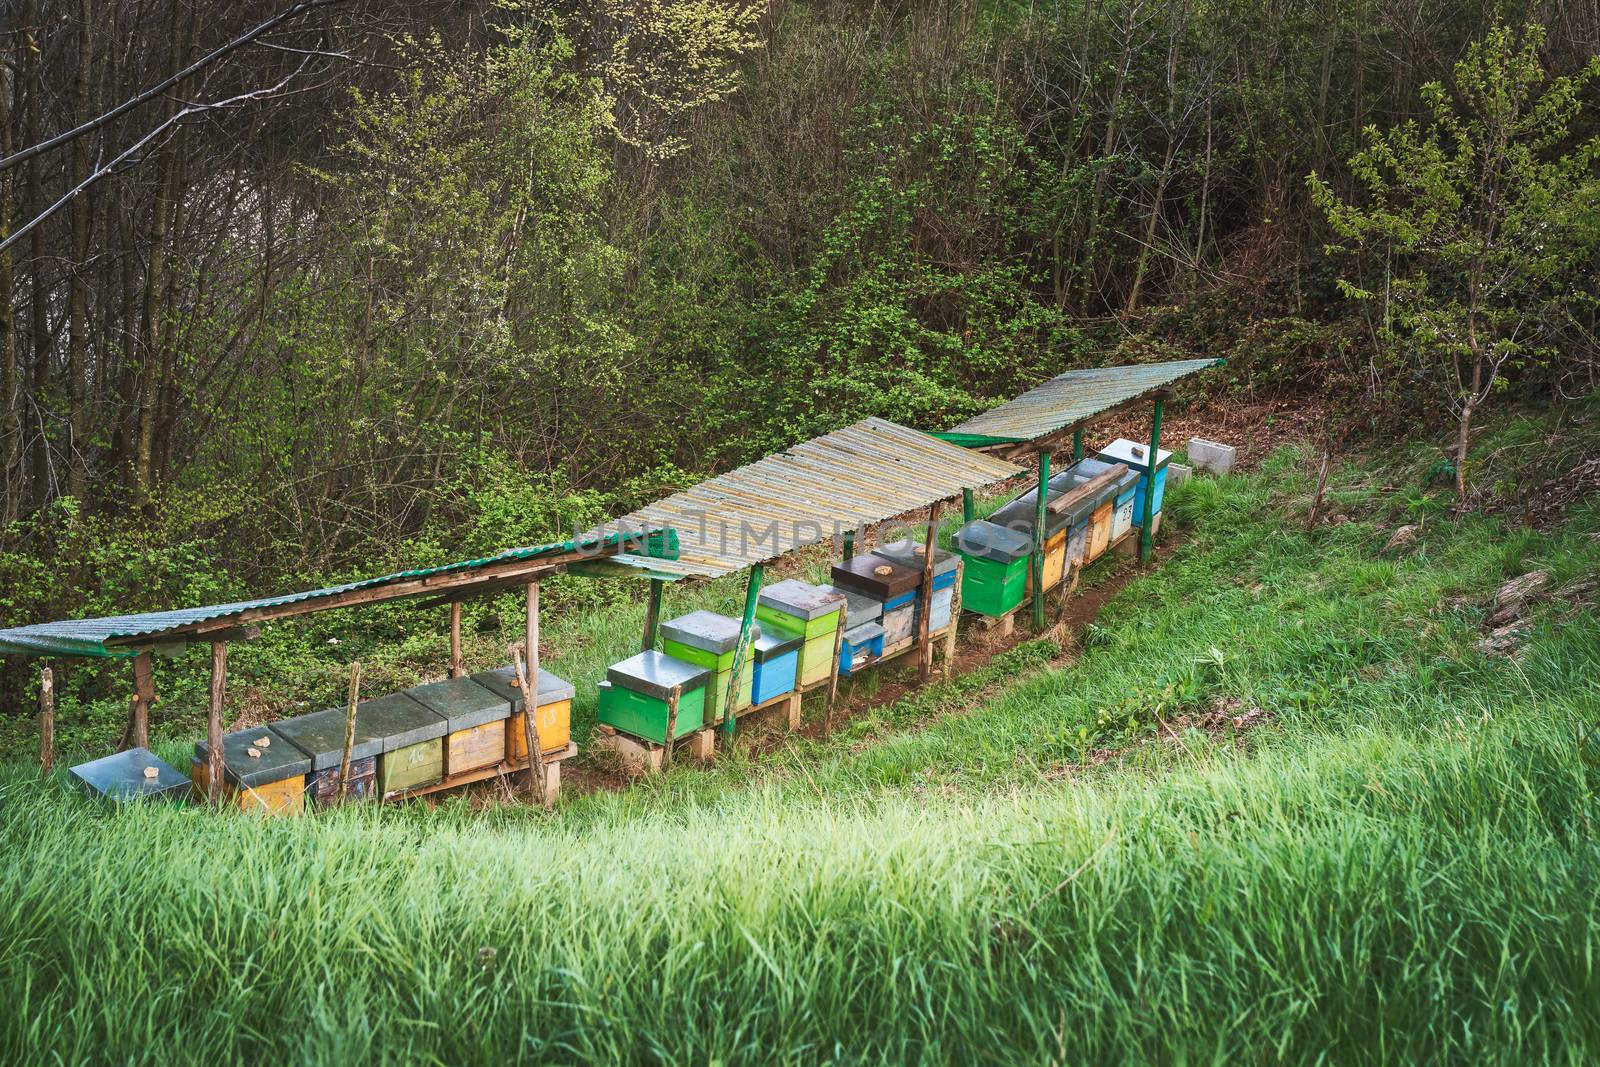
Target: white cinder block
1177,474
1211,456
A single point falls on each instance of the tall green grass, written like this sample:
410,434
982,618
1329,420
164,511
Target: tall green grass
1400,866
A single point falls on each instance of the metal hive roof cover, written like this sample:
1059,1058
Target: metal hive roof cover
801,600
101,637
656,674
992,541
1069,398
858,607
771,646
274,761
320,735
706,630
552,687
400,720
121,776
858,476
462,702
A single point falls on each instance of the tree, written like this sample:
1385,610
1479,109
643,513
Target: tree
1482,217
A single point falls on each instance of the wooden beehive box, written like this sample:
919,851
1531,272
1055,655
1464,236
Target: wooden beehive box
866,574
261,771
320,735
862,646
710,640
553,723
413,742
476,717
123,776
635,696
777,662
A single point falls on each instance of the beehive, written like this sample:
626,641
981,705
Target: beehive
320,735
897,627
777,662
710,640
859,608
123,776
861,647
913,554
634,697
554,720
1055,562
895,587
413,742
476,717
261,771
797,607
995,573
1137,457
1099,535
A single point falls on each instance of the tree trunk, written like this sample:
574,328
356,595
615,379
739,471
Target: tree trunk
78,288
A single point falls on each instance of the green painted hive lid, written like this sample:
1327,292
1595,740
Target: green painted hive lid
707,631
121,777
913,553
801,600
656,674
399,720
462,702
776,643
982,539
502,681
320,735
275,759
858,607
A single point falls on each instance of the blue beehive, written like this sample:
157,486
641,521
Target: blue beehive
860,647
777,658
1137,457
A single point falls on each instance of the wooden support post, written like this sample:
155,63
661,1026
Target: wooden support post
930,548
969,509
219,694
833,680
47,722
528,681
849,545
1146,534
458,661
955,619
1077,445
137,735
1039,539
652,615
741,653
351,701
673,700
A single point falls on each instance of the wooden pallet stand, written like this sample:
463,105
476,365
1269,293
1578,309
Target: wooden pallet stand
552,776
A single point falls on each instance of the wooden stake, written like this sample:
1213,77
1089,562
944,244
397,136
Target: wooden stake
833,678
955,619
47,721
458,661
930,548
652,615
741,652
219,693
673,699
349,729
528,679
1146,533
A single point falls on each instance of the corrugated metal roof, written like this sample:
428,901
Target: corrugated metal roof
860,475
105,637
1067,399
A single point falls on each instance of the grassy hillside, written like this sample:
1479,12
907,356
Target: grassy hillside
1278,806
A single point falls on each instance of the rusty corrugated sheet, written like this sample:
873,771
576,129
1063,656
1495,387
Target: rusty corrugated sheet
860,475
1070,398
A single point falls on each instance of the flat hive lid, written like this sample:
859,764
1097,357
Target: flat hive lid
988,540
800,599
553,689
914,553
858,607
121,776
773,644
277,761
320,735
462,702
399,720
860,635
707,631
1132,453
861,574
656,674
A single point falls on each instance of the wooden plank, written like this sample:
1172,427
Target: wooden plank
351,700
929,548
1087,489
955,619
528,680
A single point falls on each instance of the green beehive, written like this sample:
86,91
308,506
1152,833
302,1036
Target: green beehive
413,741
709,640
635,696
994,578
800,608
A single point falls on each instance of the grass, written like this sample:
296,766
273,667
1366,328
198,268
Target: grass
1399,866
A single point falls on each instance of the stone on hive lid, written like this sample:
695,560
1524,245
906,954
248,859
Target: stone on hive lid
462,702
553,689
859,607
125,776
706,630
274,763
802,600
320,735
656,674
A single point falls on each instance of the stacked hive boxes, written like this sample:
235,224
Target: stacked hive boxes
320,736
635,696
553,720
777,664
475,721
793,607
261,771
995,572
894,585
862,644
709,640
1137,457
945,564
1116,502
